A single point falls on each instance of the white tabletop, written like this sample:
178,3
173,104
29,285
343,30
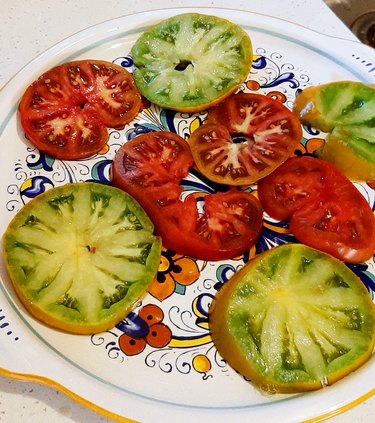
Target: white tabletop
29,28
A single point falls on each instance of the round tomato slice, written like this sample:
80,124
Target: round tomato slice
293,319
66,111
245,138
325,209
150,168
191,61
81,255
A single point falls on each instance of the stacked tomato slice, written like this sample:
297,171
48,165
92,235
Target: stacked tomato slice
151,166
325,210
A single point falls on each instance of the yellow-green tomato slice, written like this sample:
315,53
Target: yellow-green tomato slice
293,319
80,256
191,61
351,149
346,110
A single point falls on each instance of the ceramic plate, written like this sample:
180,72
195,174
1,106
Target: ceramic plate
185,380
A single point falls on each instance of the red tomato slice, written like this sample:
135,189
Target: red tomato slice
229,225
292,184
343,228
150,168
325,209
232,222
245,138
66,111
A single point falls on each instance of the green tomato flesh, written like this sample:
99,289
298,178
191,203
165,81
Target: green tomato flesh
81,255
347,111
191,60
293,319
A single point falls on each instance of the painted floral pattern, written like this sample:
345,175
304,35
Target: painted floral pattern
144,328
175,273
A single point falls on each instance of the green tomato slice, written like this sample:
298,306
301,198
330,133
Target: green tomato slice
293,319
336,104
81,255
346,110
191,61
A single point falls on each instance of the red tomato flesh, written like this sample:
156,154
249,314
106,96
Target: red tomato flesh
292,184
150,168
325,210
342,228
66,111
245,138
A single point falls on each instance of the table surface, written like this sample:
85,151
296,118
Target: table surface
29,28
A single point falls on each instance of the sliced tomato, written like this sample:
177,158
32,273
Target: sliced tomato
341,227
293,319
245,138
230,224
80,256
325,209
150,168
191,61
292,184
66,111
345,109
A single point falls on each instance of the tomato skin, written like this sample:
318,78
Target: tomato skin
244,139
66,111
150,168
324,209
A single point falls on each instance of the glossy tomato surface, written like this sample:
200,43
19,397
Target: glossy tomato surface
66,111
150,167
245,138
326,211
342,228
